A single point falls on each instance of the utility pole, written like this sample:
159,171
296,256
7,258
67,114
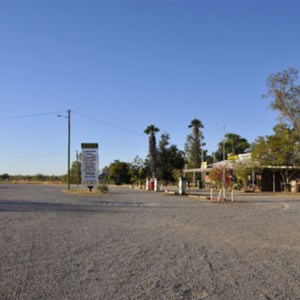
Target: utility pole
224,167
69,145
69,148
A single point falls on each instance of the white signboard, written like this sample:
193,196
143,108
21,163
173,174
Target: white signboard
89,163
245,156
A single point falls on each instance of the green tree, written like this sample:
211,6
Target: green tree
75,172
234,144
194,144
244,168
285,92
118,172
151,130
137,170
280,151
169,159
177,162
163,161
4,176
40,177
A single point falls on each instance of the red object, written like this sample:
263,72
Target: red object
152,185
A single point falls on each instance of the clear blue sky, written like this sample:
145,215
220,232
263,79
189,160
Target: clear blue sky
123,65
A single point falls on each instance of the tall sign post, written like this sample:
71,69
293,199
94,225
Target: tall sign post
90,164
69,145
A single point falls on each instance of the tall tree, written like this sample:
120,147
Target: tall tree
280,150
137,170
233,144
163,159
194,144
151,130
169,159
75,172
119,172
285,92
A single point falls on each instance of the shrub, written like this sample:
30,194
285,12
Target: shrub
103,188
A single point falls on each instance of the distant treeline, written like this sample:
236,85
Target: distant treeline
30,178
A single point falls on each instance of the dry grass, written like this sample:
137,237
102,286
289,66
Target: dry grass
83,192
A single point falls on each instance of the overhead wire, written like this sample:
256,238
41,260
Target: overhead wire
75,112
30,115
33,116
58,113
107,123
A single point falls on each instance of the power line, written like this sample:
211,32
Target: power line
30,115
107,123
33,155
77,113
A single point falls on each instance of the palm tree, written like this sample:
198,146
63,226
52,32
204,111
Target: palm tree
151,130
195,144
196,124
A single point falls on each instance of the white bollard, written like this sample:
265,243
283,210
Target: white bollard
181,186
155,185
161,188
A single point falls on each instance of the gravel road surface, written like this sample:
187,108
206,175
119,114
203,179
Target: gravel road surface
132,244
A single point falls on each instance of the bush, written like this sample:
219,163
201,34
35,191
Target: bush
103,188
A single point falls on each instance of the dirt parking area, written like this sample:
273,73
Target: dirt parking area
132,244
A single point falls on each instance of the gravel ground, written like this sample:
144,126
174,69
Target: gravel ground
132,244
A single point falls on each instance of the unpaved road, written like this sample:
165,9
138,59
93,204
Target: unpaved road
131,244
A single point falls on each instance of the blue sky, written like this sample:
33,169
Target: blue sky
123,65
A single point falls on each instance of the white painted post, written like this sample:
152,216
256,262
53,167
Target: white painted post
155,185
181,186
161,187
224,193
